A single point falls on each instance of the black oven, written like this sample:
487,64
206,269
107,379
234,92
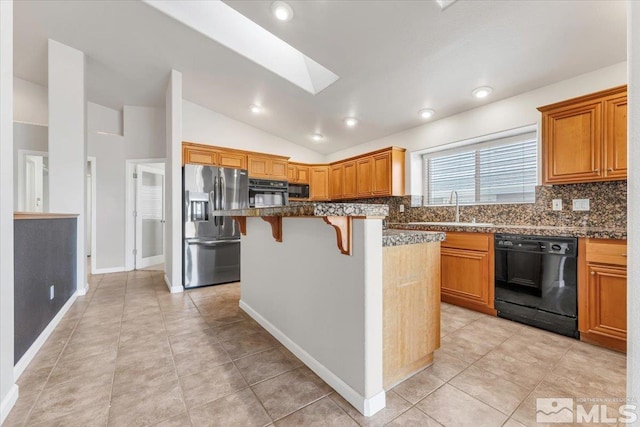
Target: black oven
536,281
298,191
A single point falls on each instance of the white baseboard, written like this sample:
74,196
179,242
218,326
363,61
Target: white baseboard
172,289
28,356
108,270
7,403
367,407
83,291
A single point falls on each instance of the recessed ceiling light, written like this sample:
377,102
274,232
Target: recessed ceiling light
255,109
282,11
482,91
351,121
426,113
317,137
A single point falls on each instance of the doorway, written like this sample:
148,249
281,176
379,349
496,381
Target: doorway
33,181
145,220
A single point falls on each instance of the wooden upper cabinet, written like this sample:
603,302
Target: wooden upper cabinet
268,167
319,183
213,156
364,170
336,182
291,173
615,146
349,181
573,143
302,173
279,169
381,174
585,139
232,160
200,156
298,173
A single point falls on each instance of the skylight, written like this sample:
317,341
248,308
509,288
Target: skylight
230,28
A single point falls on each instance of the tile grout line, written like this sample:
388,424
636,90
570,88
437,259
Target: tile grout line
115,362
28,415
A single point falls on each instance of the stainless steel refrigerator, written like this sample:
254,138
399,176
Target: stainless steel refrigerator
211,245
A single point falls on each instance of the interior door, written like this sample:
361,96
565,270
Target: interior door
149,216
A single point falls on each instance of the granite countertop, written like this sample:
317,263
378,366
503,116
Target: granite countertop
537,230
312,209
410,237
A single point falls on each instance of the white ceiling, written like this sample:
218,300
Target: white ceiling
393,57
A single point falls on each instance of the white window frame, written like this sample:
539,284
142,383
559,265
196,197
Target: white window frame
497,139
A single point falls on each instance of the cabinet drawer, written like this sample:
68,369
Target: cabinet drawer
606,252
469,241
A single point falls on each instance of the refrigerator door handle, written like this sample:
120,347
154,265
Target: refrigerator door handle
215,199
222,198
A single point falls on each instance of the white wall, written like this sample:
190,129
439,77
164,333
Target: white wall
633,208
67,143
173,183
332,317
144,138
8,388
205,126
511,113
30,102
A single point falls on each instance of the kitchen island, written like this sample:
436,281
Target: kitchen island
359,306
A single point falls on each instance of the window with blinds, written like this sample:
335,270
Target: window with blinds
497,171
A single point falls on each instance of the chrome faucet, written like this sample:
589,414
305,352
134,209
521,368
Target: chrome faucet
454,192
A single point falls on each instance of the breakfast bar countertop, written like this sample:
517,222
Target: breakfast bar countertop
303,209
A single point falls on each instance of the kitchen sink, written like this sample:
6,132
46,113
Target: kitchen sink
455,224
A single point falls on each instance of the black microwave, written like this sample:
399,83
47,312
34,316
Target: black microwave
298,191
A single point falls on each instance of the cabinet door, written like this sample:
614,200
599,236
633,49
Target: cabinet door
258,167
232,160
615,146
319,183
381,174
350,184
607,301
363,175
571,144
302,173
465,276
291,174
278,169
200,156
335,182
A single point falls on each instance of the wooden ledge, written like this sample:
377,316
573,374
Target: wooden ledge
242,224
342,225
42,215
276,226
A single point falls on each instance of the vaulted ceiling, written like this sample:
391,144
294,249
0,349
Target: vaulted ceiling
393,58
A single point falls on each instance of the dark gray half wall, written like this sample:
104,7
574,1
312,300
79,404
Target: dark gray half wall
45,255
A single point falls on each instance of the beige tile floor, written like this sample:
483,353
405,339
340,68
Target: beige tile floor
131,354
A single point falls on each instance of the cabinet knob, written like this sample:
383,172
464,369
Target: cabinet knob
609,169
624,255
596,170
593,273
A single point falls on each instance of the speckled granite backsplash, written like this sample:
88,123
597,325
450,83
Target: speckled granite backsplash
608,203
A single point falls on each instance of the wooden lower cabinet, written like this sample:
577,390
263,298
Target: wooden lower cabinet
602,293
467,271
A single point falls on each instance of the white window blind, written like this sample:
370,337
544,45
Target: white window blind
497,171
